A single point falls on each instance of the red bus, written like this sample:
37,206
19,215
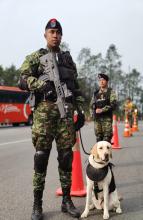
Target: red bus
14,106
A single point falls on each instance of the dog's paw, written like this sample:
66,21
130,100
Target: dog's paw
106,216
84,214
119,210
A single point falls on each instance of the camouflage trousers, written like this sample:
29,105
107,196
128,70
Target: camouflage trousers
103,129
48,126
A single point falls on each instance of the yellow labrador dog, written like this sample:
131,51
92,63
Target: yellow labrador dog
101,188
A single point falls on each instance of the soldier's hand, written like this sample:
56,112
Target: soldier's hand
45,87
80,120
98,110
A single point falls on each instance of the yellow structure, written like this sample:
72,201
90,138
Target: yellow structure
129,109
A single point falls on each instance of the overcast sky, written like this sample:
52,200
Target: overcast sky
86,23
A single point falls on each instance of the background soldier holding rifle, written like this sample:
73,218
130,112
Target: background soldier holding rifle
51,77
103,103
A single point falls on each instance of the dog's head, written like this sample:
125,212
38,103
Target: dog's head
102,151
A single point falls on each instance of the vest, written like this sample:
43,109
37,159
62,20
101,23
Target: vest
101,99
67,74
98,175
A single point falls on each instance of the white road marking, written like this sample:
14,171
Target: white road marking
15,142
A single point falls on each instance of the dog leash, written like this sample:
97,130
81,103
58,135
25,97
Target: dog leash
82,144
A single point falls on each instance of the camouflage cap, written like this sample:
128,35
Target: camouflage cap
104,76
54,24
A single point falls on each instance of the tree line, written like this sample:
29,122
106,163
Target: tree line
9,76
124,84
88,66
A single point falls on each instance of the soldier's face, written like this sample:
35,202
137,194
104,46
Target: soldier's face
53,38
103,83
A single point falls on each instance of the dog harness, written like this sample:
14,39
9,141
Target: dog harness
98,175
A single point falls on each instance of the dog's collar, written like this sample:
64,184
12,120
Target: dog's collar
99,174
112,185
96,174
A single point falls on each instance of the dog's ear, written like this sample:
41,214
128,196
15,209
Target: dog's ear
94,151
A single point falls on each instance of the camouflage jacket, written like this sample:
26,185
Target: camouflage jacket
129,108
31,69
107,102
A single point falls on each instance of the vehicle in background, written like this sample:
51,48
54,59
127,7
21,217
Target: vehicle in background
14,106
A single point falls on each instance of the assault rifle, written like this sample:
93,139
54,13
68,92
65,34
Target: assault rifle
51,73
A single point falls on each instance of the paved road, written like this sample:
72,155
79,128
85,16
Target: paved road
16,168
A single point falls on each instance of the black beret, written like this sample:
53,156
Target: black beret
104,76
54,24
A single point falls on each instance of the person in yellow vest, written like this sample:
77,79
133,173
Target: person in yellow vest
129,108
135,113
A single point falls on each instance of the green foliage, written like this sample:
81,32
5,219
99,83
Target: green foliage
124,84
89,66
9,76
64,46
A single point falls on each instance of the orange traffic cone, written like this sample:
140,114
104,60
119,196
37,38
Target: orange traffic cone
135,126
127,128
115,139
77,143
77,188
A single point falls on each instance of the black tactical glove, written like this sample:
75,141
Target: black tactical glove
48,88
22,83
45,88
80,120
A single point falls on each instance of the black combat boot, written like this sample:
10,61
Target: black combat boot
68,206
37,206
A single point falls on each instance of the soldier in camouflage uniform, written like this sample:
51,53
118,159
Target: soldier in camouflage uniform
129,108
103,103
47,122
